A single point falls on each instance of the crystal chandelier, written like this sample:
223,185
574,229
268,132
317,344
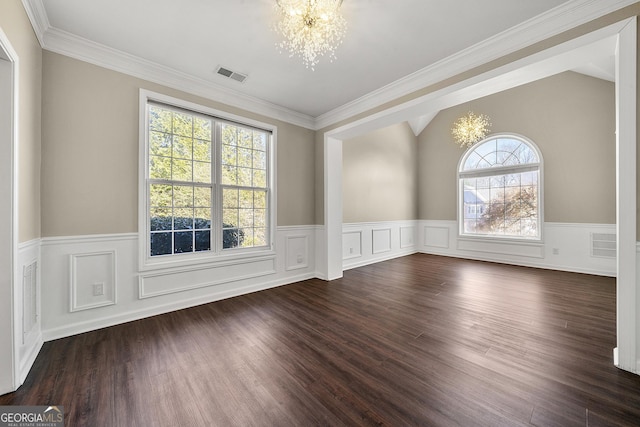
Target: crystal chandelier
311,28
469,129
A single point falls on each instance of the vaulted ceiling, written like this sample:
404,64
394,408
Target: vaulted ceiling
388,42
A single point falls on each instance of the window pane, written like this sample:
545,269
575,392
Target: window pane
181,170
202,150
230,198
260,199
202,196
245,157
230,218
182,124
229,154
229,134
259,237
230,238
160,219
160,144
182,147
159,119
183,219
229,175
259,141
202,218
160,195
183,242
259,178
244,177
245,138
202,172
159,167
203,241
245,218
202,128
160,243
182,196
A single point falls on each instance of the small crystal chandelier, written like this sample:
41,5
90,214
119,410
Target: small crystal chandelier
469,129
311,28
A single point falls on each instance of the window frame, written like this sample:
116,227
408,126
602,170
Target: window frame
460,175
216,254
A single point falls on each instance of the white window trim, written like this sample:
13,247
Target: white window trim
497,171
148,263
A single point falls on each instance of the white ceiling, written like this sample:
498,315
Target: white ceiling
387,42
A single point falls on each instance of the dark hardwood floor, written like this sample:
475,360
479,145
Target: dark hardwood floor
420,340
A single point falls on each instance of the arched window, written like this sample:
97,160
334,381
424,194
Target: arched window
500,189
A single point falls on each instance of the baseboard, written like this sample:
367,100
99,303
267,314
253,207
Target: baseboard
30,357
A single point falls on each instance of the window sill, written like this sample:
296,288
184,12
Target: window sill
178,263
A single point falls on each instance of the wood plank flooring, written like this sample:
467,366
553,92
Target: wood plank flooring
419,340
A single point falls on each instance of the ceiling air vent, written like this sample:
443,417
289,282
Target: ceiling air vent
239,77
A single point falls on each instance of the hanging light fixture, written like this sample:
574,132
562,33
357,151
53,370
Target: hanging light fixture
471,128
311,28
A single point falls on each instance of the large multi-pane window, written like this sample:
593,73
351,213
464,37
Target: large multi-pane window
207,183
500,189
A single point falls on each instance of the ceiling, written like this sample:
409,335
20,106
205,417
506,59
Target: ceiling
386,41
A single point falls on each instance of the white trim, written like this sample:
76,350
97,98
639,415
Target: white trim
10,184
553,22
626,169
501,170
146,262
74,283
88,238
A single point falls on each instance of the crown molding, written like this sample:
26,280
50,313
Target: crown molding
551,23
70,45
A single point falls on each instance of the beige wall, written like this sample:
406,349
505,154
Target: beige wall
379,176
16,26
570,117
90,151
627,12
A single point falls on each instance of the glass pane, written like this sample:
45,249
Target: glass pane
230,238
244,177
159,119
160,144
160,243
260,199
202,197
259,237
259,160
202,172
159,167
229,155
202,218
229,175
160,195
245,198
229,134
183,219
260,141
245,218
526,155
472,161
202,128
183,242
230,198
160,219
245,138
259,178
203,241
247,240
182,147
202,150
181,170
229,218
245,157
182,196
183,124
260,218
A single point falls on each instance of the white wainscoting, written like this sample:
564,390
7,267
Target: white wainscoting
28,306
370,242
566,247
68,263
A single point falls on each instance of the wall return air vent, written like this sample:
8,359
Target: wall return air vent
239,77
